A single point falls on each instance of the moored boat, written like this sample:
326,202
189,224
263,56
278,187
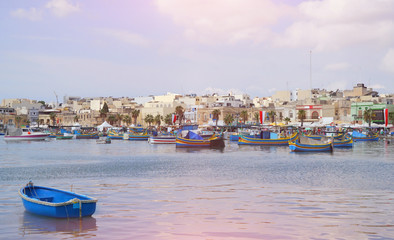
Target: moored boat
19,134
64,137
243,140
163,139
357,137
192,140
56,203
304,144
87,136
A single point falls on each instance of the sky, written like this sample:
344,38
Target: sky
131,48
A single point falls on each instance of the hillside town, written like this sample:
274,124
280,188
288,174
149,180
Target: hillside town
315,106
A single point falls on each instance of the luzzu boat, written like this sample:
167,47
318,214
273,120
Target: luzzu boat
87,136
64,137
243,140
304,144
114,135
193,140
134,136
363,137
56,203
339,141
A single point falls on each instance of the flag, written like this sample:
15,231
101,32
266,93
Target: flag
173,118
262,114
386,116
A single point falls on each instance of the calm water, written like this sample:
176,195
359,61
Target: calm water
243,192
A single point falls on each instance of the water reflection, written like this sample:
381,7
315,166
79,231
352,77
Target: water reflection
34,224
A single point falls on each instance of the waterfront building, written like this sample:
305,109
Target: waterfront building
358,108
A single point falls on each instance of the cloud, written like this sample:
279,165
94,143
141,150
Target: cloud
378,86
334,24
125,36
61,8
387,63
337,66
223,21
220,91
32,14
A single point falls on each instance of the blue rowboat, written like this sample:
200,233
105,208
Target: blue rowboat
304,144
345,142
366,138
56,203
243,140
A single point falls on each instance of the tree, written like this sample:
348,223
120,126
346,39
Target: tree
149,119
256,117
76,118
302,116
244,116
104,111
42,103
228,119
127,119
18,121
168,119
52,116
119,118
391,118
158,118
111,119
272,115
368,115
215,115
180,113
287,120
134,114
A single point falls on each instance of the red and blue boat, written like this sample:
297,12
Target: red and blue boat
194,140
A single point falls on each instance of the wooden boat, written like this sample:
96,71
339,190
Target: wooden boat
343,142
193,140
115,135
136,136
56,203
19,134
243,140
163,139
55,135
107,140
87,136
358,137
64,137
304,144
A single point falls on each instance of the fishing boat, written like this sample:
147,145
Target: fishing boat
114,135
56,203
357,137
304,144
64,137
243,140
135,136
235,137
192,140
87,136
107,140
162,139
345,141
19,134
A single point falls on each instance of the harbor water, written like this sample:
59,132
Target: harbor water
241,192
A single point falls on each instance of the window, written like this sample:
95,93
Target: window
315,115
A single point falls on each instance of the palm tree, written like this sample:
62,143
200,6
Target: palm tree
287,120
18,121
158,118
272,115
244,116
119,118
52,116
149,119
215,115
256,117
134,114
127,119
301,116
111,119
180,113
168,119
228,119
368,114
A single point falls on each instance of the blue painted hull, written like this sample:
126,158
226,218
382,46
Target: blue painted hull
235,137
267,142
296,146
56,203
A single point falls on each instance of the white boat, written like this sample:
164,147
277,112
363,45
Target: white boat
163,139
19,134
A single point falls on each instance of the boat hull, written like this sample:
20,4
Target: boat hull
56,203
80,136
243,140
30,137
361,139
138,138
162,140
296,146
